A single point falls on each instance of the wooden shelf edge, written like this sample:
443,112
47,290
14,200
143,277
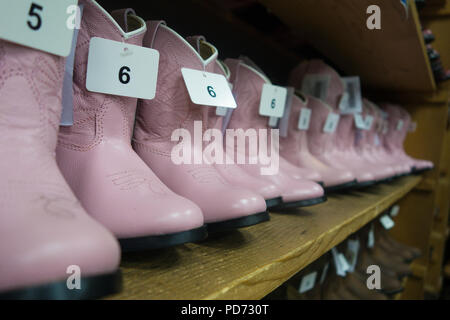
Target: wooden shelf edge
149,277
342,232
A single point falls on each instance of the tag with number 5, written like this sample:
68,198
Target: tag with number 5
122,69
39,24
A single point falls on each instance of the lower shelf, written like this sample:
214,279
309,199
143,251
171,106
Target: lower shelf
252,262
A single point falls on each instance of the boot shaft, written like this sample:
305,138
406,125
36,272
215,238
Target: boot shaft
336,86
247,88
30,98
319,141
172,107
97,116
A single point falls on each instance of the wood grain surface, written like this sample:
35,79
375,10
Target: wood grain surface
252,262
392,58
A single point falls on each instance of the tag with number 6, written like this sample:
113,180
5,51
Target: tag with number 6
39,24
208,89
122,69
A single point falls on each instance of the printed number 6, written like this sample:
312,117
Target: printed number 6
273,104
32,13
211,91
123,76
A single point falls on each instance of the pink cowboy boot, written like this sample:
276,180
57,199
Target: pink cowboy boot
295,147
339,155
95,155
232,172
45,234
397,114
367,142
224,206
247,87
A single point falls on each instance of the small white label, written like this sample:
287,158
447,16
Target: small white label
368,121
352,253
221,111
359,121
387,222
339,262
377,140
316,85
273,122
331,123
121,69
351,99
304,119
208,89
371,238
385,129
324,273
395,210
308,282
39,24
273,101
399,125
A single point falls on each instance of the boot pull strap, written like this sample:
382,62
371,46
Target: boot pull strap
152,28
195,41
121,17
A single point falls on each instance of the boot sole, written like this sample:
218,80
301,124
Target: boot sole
238,222
163,241
302,203
270,203
341,187
365,184
419,171
92,287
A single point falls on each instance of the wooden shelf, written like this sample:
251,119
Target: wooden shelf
252,262
391,59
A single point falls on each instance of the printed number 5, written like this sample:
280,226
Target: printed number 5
32,13
123,76
211,91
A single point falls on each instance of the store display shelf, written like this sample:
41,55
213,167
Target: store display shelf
252,262
392,58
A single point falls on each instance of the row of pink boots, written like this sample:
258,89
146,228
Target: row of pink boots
112,175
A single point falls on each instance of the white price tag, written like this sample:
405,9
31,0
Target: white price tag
221,111
273,122
209,89
377,140
40,24
385,129
331,123
307,282
359,121
387,222
395,210
273,101
351,101
371,238
352,253
339,262
316,85
304,119
121,69
399,125
324,273
368,121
